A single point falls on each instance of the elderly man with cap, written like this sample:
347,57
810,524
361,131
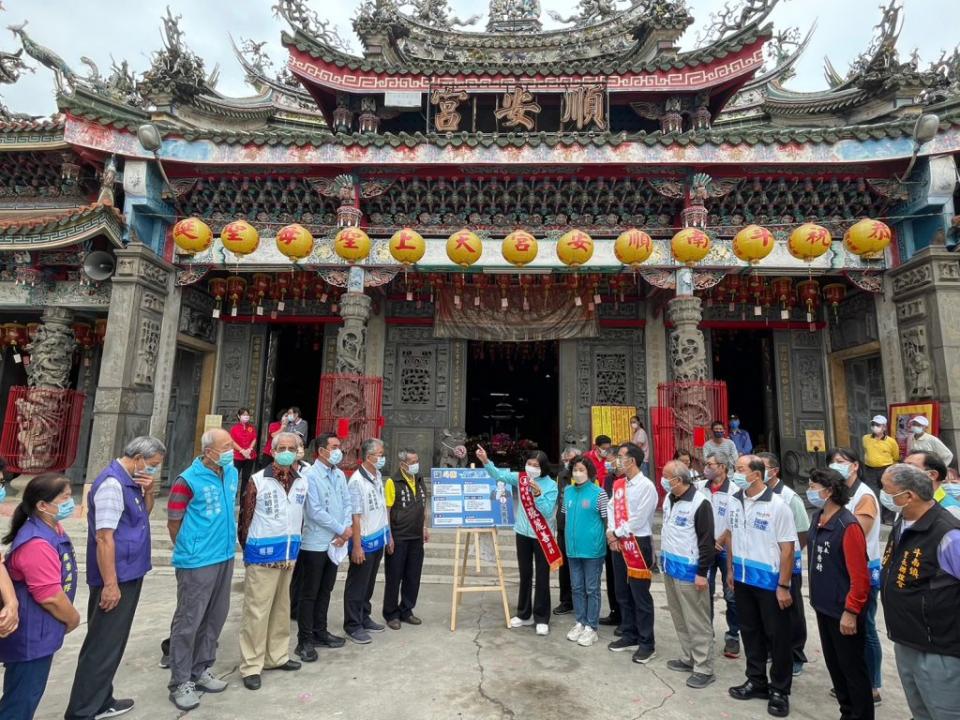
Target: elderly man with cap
687,546
920,589
922,441
880,451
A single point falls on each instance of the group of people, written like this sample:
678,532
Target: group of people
290,514
738,518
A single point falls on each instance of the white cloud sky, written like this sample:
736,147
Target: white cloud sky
98,29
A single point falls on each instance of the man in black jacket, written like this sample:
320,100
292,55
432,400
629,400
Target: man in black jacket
406,497
920,591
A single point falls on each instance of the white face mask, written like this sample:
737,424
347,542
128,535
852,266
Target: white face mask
532,472
414,468
580,477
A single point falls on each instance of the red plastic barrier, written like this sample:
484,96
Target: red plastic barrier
350,406
41,429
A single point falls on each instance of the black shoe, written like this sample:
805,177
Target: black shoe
115,709
698,681
306,652
288,666
329,640
393,624
749,691
622,645
612,620
360,637
165,654
618,632
370,626
731,648
563,609
252,682
411,620
779,704
680,666
642,656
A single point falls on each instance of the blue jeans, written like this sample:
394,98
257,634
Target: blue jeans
733,621
874,651
585,587
23,686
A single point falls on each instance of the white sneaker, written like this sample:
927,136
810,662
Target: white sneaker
575,632
588,637
516,622
543,629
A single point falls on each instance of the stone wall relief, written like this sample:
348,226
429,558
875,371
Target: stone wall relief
148,347
917,368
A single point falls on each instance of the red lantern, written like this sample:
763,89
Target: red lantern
783,292
32,329
808,292
218,289
99,331
236,286
83,334
834,294
260,287
301,285
731,290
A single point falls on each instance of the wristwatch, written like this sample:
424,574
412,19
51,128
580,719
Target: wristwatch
782,586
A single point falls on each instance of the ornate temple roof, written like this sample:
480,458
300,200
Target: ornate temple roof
61,227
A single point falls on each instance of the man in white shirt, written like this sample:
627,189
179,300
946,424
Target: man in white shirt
922,441
760,540
633,594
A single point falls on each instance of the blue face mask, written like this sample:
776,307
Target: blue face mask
225,459
65,510
734,424
842,468
952,489
665,484
381,461
3,493
740,480
150,470
336,456
813,497
285,458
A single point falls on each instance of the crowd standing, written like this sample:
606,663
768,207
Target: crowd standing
595,514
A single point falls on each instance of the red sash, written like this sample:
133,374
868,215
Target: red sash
548,543
636,565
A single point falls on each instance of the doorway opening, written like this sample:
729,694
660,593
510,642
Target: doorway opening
299,365
744,360
513,399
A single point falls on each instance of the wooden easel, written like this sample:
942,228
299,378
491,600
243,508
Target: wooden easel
464,536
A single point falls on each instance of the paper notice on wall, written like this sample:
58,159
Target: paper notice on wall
211,422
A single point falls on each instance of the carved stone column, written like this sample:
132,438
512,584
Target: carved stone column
351,339
926,291
131,353
688,354
51,352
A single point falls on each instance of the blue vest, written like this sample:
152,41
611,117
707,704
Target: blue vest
829,581
131,539
39,634
584,530
208,533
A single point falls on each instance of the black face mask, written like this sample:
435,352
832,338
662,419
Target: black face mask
718,433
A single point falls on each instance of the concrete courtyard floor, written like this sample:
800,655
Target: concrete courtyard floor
480,672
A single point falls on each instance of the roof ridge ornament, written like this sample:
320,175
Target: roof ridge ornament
301,16
176,72
734,17
514,16
436,13
589,12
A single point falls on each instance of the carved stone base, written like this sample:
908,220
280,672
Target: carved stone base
687,348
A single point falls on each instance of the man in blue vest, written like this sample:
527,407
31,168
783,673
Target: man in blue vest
203,528
118,517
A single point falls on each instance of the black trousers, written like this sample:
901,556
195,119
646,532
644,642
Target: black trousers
403,570
101,652
244,470
566,591
318,575
532,562
296,590
798,621
358,590
765,629
845,656
611,585
636,602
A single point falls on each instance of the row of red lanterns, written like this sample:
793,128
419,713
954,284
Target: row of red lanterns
18,335
754,290
279,289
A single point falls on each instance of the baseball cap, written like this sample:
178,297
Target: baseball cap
879,420
920,420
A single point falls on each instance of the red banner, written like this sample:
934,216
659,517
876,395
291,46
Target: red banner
636,565
548,543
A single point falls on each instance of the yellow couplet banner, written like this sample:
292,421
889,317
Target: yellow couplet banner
612,420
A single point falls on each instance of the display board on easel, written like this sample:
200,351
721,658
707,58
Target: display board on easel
612,421
476,505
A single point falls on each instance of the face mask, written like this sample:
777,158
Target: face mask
665,484
381,461
579,478
917,431
887,500
336,456
952,489
740,480
842,468
225,459
813,497
767,477
608,465
734,424
532,472
285,458
876,429
3,493
413,469
718,433
634,426
244,419
150,470
64,510
710,473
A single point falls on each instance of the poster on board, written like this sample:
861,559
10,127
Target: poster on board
469,498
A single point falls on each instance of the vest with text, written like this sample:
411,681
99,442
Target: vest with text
208,532
274,534
678,538
131,539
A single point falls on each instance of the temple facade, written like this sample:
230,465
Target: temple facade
594,137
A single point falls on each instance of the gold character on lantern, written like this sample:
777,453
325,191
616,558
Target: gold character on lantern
518,105
447,119
584,105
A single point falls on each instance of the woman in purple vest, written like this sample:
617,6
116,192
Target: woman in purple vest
44,574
